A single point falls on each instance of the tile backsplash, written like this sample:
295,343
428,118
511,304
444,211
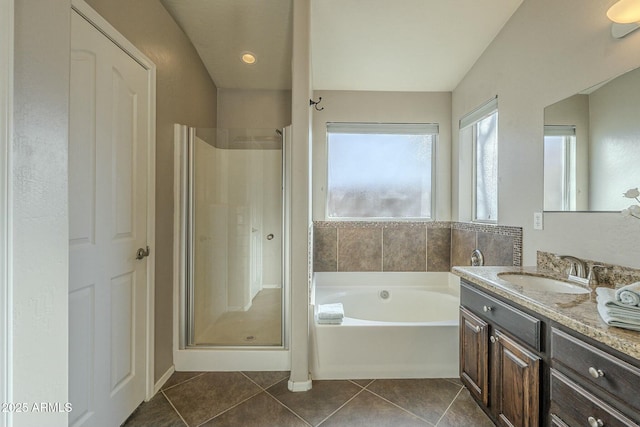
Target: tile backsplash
410,246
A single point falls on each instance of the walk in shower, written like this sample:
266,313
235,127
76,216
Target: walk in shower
234,202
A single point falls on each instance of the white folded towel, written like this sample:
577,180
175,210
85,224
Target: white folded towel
620,322
330,311
329,321
629,295
607,297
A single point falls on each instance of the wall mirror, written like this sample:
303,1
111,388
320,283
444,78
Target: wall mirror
592,147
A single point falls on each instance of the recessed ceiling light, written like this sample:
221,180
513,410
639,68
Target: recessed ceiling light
248,58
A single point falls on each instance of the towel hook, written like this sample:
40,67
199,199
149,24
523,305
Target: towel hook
315,103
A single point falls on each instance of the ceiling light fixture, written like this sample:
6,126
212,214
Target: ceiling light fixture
248,58
625,15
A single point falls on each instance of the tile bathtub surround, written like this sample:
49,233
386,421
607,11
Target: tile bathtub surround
610,275
500,245
411,246
404,402
463,242
381,246
404,249
438,249
325,249
359,249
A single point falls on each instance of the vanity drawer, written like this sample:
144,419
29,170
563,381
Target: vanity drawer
576,407
518,323
601,369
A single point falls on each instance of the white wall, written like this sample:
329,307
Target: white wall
383,107
39,233
238,108
615,141
548,51
6,107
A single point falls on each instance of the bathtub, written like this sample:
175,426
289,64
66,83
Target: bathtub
396,325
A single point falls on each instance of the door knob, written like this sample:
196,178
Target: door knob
143,253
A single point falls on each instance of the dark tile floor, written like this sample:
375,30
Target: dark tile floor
261,399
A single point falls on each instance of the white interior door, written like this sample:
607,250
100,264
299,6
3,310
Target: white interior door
108,167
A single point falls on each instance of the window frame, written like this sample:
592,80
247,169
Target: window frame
431,129
471,120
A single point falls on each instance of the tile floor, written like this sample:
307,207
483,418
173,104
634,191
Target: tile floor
261,399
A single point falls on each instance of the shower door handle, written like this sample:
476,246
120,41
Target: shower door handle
270,236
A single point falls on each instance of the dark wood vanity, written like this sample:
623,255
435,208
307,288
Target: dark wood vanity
527,370
591,386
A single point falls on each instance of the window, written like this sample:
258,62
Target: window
559,168
483,126
380,170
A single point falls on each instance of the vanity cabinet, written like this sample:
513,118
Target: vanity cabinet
590,386
474,355
499,362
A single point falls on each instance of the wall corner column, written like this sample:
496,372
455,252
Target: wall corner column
300,379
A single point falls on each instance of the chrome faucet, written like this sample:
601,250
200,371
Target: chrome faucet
578,267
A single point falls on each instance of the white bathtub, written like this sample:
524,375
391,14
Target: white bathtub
413,333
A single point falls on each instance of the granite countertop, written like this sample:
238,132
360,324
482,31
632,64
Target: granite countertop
575,311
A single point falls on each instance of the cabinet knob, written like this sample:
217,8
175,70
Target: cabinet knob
477,329
595,422
595,373
487,308
493,339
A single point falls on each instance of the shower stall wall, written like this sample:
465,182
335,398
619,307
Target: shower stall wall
234,290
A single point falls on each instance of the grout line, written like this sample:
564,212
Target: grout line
400,407
450,405
287,408
174,408
426,249
185,381
382,248
340,407
361,386
232,407
337,249
453,381
247,377
262,388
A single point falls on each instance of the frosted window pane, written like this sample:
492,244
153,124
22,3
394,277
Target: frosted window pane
379,175
487,168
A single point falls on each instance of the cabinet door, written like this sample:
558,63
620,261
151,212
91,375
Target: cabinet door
474,355
516,383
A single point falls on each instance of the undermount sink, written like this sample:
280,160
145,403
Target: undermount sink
545,284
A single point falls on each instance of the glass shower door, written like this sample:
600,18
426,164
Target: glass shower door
235,211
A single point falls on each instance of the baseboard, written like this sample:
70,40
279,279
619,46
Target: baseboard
297,386
163,379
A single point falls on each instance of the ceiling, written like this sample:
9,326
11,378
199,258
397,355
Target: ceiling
221,30
378,45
